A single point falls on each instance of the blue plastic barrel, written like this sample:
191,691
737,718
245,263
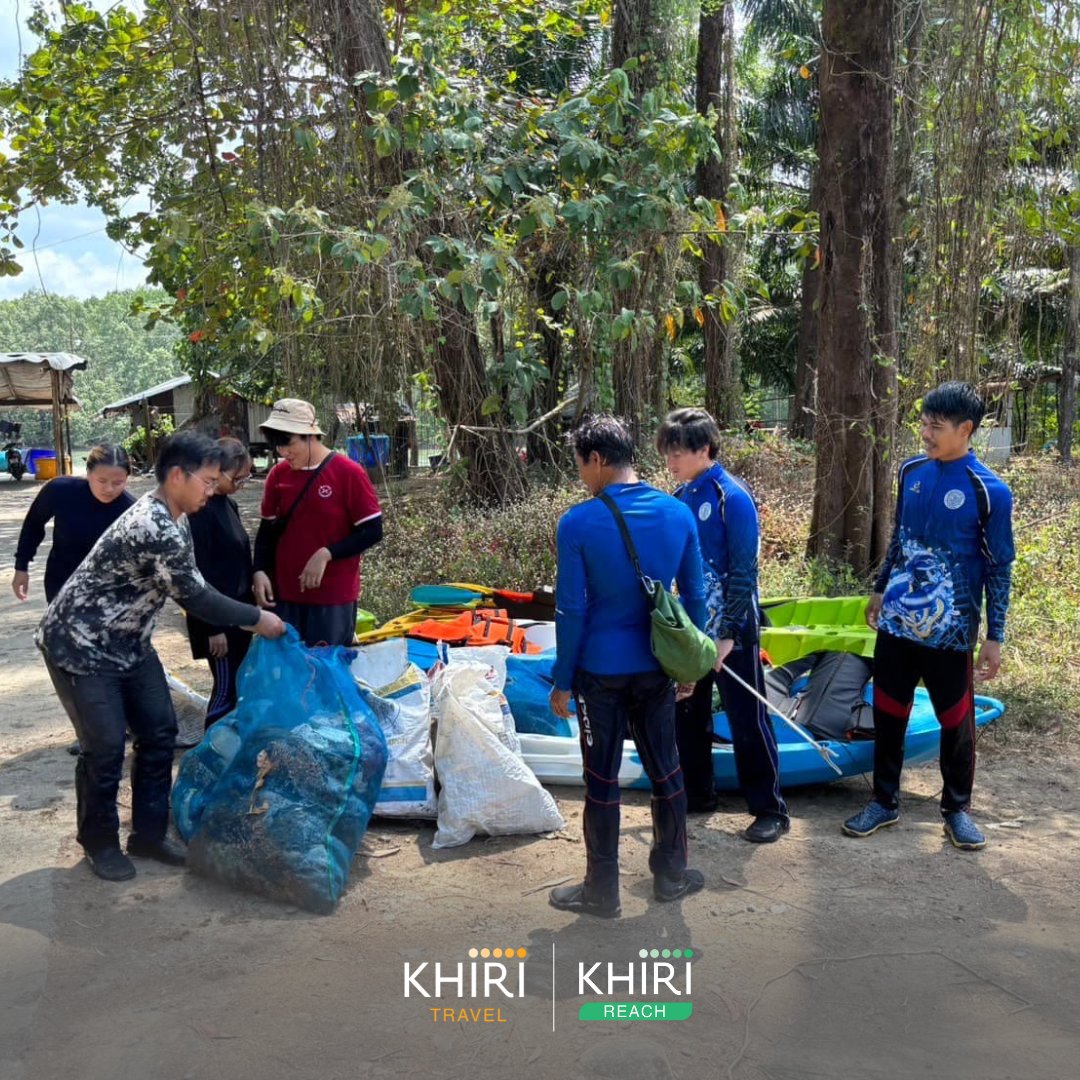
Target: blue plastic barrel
31,457
371,451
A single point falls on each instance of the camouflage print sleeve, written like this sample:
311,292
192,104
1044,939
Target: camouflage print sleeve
174,557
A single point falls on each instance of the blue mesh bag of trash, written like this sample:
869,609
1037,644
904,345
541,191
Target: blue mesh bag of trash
276,797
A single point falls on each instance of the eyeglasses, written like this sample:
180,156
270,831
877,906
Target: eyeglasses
208,483
240,481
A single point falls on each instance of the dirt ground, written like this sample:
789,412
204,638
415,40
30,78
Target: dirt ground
819,956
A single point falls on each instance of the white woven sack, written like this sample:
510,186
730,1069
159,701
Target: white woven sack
400,696
486,785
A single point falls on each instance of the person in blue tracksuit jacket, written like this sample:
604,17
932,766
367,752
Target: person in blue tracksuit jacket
727,524
603,659
952,544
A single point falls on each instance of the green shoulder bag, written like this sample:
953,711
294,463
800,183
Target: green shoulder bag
684,652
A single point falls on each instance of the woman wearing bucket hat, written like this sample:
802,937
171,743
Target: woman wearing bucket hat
319,514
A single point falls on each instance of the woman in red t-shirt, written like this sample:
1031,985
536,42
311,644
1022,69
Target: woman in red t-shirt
319,514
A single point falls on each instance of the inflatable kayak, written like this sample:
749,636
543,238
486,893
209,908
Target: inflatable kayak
551,749
557,759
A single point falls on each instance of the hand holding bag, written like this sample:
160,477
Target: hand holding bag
683,651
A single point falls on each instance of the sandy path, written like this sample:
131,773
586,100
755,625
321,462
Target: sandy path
818,956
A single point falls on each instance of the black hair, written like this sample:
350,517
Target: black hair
689,429
105,453
277,438
234,454
605,435
187,450
955,402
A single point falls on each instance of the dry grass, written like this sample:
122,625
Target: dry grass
429,539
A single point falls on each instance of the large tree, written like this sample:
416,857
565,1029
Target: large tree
1069,365
856,400
716,94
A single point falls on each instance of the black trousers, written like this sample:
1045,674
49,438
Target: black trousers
947,674
609,708
224,669
320,624
757,761
102,708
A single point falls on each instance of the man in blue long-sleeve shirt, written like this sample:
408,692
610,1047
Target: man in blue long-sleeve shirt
727,523
952,542
604,659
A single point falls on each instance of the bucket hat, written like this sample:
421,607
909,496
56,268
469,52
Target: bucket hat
293,416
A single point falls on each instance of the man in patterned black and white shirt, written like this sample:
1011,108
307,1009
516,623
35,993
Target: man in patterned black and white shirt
96,640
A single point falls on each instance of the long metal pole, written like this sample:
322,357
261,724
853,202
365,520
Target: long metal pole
821,748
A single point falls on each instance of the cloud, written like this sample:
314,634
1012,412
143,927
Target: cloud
74,255
89,273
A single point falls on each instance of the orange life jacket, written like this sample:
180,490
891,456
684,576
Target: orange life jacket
484,626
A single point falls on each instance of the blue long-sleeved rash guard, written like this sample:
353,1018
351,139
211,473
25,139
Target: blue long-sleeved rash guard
951,541
727,523
602,616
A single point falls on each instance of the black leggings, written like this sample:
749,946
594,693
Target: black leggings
898,666
757,760
643,707
224,669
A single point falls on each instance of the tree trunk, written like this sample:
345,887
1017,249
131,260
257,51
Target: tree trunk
857,340
362,38
541,447
911,74
1067,388
804,402
635,34
715,90
493,471
628,383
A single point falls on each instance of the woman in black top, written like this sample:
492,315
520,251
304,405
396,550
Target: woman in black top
80,510
223,556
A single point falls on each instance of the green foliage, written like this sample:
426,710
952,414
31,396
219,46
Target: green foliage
136,443
1041,680
122,356
341,222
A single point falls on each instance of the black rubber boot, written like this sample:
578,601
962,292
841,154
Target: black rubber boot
111,864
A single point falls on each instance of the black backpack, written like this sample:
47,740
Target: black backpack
825,692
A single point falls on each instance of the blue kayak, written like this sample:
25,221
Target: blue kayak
550,745
556,759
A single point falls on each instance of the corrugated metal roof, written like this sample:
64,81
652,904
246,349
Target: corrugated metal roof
58,361
142,395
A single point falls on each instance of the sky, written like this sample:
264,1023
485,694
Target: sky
67,252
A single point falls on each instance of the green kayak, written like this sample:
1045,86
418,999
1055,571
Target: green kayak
795,627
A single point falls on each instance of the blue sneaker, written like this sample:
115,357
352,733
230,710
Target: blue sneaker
962,832
869,820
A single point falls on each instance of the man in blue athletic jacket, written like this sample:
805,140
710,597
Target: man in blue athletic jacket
727,524
604,659
951,543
